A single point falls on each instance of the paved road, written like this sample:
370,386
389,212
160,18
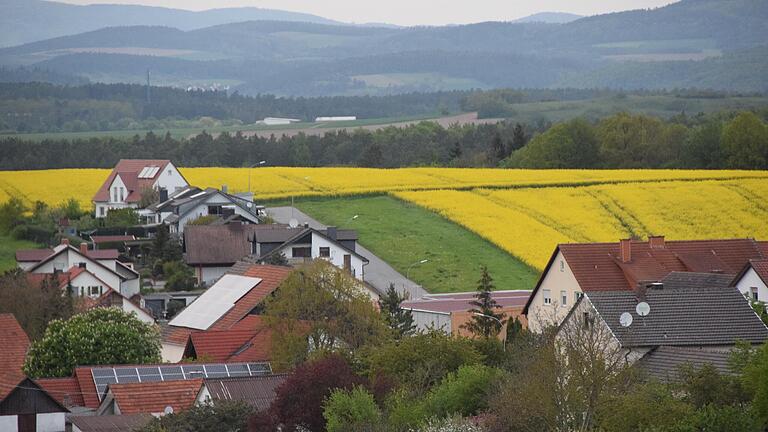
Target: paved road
377,273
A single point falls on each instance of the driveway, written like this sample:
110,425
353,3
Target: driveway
378,273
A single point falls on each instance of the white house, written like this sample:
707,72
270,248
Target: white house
191,203
752,281
278,121
336,119
91,272
130,178
574,269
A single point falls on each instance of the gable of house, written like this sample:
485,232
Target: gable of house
623,265
136,175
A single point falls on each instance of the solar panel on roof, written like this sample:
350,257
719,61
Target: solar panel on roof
215,302
103,377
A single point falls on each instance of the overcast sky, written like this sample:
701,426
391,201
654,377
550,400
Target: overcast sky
411,12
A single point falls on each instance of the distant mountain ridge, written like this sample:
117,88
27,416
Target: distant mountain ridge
549,18
669,46
24,21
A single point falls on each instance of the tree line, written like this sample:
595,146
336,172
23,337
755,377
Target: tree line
720,140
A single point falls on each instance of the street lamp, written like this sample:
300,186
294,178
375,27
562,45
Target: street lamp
249,172
407,272
353,218
504,342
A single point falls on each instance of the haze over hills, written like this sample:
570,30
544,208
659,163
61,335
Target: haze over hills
24,21
549,17
718,44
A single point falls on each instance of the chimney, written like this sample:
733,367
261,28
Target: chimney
163,194
306,224
84,248
656,242
332,232
65,241
224,188
625,249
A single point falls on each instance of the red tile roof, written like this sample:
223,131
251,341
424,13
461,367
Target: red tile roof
14,343
129,170
65,390
271,277
84,378
112,238
32,255
459,302
761,268
153,397
248,340
598,266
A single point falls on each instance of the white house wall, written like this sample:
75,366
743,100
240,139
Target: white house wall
51,422
425,320
171,180
130,287
749,280
142,315
202,210
71,259
558,277
83,281
337,255
9,423
172,353
25,265
209,275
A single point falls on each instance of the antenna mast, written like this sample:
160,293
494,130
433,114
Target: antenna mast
149,92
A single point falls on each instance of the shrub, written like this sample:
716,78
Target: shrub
462,392
351,411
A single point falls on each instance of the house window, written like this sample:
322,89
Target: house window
114,194
564,297
587,320
170,172
301,252
562,265
753,293
325,252
122,194
94,290
547,297
579,295
102,211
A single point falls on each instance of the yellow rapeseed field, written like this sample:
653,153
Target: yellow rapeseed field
525,212
527,222
54,186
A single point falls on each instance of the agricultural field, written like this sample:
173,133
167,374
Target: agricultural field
8,247
403,233
523,212
529,222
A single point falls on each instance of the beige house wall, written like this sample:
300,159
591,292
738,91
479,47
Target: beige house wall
558,279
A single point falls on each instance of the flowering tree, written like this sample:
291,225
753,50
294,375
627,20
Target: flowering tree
99,336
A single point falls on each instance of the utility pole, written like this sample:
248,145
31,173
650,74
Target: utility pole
149,92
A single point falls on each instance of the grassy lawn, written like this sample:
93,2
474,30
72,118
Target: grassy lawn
402,233
8,248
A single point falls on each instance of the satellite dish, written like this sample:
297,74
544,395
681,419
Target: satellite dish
626,319
293,223
168,410
643,309
249,205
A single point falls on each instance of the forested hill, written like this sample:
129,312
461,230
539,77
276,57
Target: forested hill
632,49
25,21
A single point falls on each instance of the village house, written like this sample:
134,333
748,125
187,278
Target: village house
449,312
575,269
135,389
131,179
686,318
211,250
752,280
90,273
257,391
231,299
24,405
249,340
192,203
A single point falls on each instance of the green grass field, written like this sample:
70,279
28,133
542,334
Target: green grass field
402,233
186,132
8,248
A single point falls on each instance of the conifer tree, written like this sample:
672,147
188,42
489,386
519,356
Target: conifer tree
485,322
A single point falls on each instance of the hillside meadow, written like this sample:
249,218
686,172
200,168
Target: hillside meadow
523,212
